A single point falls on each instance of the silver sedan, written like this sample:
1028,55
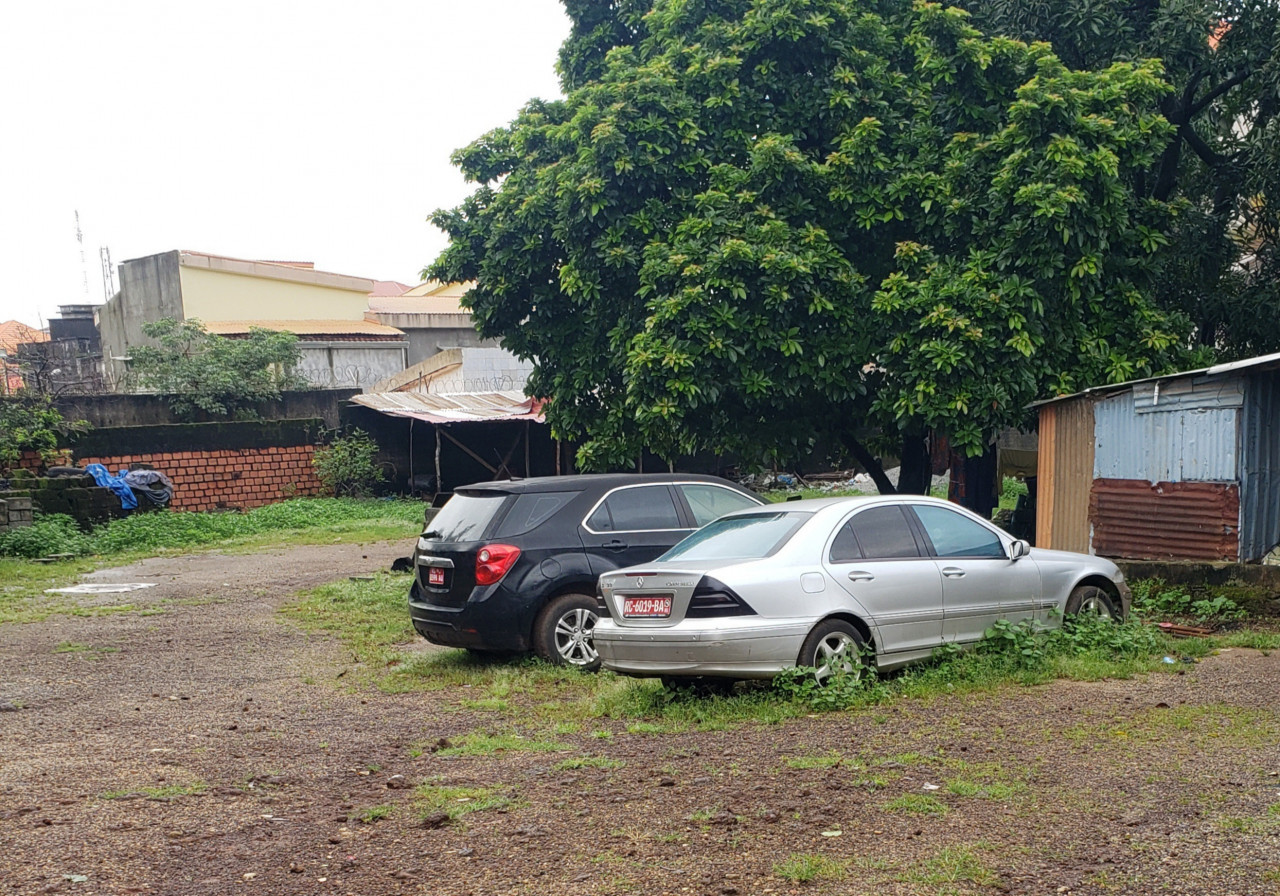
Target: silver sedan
817,583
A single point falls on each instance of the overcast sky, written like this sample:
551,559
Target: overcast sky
316,131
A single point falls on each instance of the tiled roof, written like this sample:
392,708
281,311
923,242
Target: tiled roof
389,288
416,305
305,327
14,332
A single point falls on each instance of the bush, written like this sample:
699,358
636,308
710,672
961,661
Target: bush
1152,599
54,533
347,467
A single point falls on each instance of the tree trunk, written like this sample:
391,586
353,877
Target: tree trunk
870,463
916,474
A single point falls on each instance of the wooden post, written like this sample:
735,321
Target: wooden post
439,484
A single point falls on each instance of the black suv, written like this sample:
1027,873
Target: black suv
512,566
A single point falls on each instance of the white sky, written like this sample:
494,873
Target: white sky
312,131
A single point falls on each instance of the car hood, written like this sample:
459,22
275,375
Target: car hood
1071,558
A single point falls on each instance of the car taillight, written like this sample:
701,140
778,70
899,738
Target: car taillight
713,598
493,561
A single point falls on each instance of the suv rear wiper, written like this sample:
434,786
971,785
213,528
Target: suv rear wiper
432,534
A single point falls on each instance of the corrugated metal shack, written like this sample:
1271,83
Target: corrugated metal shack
1185,466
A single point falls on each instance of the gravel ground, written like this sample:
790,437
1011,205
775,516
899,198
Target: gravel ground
201,744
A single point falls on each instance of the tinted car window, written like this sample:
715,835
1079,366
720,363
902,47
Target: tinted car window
954,535
636,509
464,517
531,510
884,534
738,538
710,502
845,547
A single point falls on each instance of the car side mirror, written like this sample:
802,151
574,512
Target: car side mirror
1019,549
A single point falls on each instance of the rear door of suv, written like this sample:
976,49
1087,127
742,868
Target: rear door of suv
633,524
447,550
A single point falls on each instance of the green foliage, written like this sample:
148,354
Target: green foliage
32,423
166,529
347,465
202,372
802,868
753,224
48,534
1219,262
839,690
1153,599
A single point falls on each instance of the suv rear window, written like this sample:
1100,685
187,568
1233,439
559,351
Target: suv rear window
465,517
532,510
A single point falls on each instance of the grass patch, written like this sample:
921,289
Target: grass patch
830,760
457,801
167,792
374,814
481,743
988,791
953,865
588,762
803,868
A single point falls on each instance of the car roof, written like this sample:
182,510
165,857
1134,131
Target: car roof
584,481
813,505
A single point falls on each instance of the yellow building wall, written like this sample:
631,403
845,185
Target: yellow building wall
219,295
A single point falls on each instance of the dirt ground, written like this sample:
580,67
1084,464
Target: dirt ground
1163,784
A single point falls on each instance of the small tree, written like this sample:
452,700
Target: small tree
201,371
347,467
32,423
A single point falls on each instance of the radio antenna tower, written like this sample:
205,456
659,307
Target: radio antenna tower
84,265
108,274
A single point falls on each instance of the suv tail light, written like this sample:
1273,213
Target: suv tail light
713,598
493,561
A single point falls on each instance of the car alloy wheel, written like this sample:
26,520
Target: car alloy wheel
833,647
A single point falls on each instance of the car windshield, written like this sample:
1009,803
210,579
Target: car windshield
747,537
464,517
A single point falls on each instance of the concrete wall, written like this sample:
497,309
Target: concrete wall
212,294
429,334
122,410
350,365
150,289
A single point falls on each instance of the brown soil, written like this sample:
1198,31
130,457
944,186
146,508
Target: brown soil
1167,783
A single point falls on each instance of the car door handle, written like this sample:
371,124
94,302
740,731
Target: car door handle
860,576
614,545
953,572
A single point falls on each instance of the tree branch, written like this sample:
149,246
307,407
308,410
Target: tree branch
1233,81
870,463
1200,148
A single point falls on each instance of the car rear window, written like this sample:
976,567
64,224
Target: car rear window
738,537
465,517
531,510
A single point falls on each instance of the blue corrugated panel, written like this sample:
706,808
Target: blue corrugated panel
1260,488
1189,393
1179,445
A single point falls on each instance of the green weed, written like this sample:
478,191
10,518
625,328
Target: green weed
167,792
802,868
457,801
831,760
376,813
952,865
481,743
588,762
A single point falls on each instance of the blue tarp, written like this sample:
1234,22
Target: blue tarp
115,483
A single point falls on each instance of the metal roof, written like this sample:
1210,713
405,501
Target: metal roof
1230,367
304,327
461,407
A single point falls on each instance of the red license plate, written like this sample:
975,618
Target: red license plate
656,607
435,575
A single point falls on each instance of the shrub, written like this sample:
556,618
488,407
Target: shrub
54,533
347,467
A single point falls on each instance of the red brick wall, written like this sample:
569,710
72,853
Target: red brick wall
235,478
32,460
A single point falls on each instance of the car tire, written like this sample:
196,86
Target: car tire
1092,599
833,644
562,632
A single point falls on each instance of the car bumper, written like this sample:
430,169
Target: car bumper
696,648
481,623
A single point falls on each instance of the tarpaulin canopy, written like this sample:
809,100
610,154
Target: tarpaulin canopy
462,407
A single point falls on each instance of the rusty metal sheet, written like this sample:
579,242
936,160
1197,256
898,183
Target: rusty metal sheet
1066,470
1138,520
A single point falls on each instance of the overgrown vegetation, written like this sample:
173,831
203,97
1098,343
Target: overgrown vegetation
1153,599
199,371
32,423
347,465
169,529
370,619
